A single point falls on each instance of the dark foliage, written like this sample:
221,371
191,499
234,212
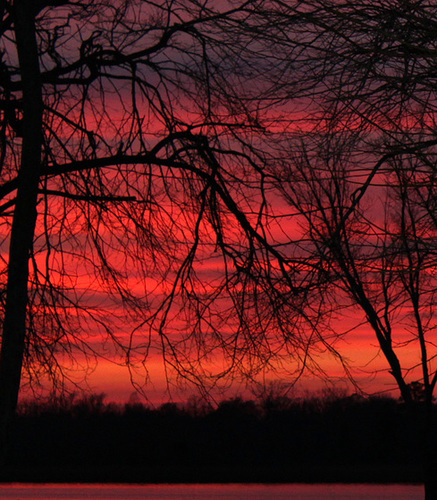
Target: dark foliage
320,439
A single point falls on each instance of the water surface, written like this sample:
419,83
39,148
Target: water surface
210,492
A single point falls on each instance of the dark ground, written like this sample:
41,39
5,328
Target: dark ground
343,439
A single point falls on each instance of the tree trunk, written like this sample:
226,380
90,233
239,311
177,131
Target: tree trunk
23,225
430,469
430,485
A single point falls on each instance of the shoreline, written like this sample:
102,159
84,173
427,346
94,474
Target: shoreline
273,474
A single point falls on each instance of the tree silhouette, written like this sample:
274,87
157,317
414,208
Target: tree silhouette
127,159
359,180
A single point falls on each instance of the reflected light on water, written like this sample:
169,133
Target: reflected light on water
210,492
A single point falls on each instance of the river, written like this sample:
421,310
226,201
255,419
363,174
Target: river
210,492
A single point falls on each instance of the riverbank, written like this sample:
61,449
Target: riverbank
334,440
308,474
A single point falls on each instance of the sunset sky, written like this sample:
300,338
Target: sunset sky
228,191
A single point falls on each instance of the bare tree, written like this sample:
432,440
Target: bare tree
129,159
359,180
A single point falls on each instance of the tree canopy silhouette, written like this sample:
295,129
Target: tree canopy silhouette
359,180
128,161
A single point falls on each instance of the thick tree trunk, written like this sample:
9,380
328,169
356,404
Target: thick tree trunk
430,472
430,485
23,225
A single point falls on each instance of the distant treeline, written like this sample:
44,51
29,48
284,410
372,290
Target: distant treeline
273,439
